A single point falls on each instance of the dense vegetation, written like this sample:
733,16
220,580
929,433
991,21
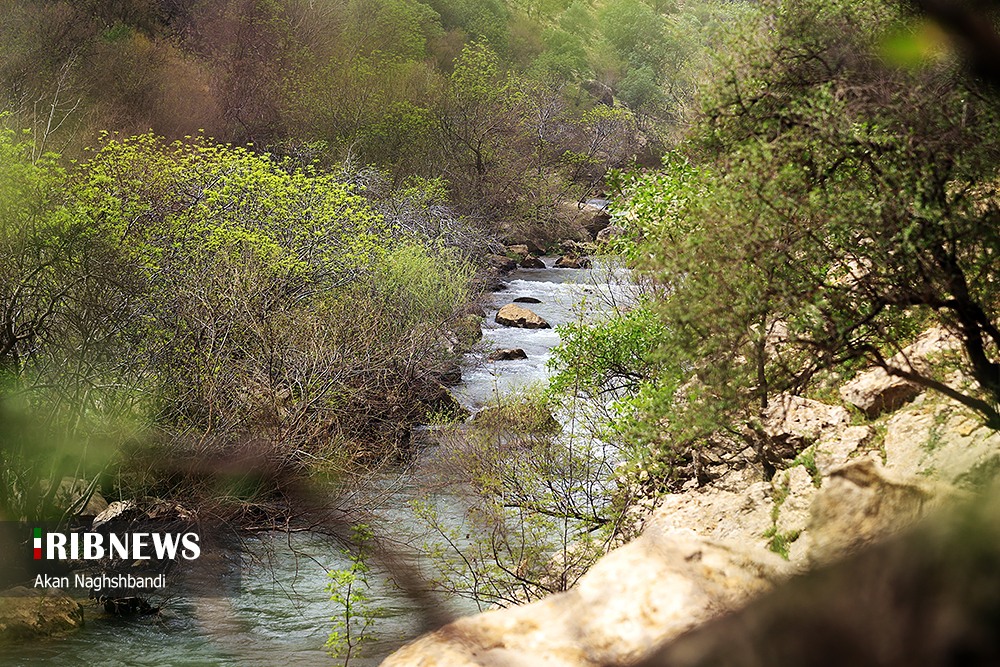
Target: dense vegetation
835,196
247,233
247,225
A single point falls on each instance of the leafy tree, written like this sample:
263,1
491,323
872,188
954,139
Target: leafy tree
847,198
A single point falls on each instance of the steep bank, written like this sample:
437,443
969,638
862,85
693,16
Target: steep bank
844,480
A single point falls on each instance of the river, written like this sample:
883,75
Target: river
283,614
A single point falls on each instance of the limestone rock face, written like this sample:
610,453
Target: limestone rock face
792,423
836,450
876,391
918,599
940,440
719,515
26,613
651,590
515,316
858,504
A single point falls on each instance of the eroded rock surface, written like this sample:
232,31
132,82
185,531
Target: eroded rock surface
27,613
515,316
651,590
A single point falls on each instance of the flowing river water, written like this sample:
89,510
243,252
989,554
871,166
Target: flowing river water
283,613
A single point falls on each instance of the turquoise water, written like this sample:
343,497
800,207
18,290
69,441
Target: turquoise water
283,614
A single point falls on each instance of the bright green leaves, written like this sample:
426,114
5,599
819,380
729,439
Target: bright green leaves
610,357
197,203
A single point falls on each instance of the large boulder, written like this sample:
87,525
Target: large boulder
500,263
929,597
861,503
532,262
649,591
792,423
567,262
514,316
876,391
28,613
609,233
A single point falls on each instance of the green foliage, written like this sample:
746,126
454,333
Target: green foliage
350,591
835,207
526,411
608,358
540,509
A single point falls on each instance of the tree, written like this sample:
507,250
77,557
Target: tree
849,198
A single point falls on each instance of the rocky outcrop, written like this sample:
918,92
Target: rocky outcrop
936,439
532,262
876,391
29,613
929,597
520,249
792,423
859,504
599,91
515,316
609,233
649,591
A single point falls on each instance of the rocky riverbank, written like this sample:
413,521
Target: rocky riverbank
841,479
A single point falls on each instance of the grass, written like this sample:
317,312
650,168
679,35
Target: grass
807,459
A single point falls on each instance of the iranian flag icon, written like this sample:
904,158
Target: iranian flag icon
38,543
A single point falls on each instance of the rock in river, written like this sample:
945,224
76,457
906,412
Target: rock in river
515,316
508,355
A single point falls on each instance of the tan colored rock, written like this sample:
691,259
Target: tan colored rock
633,599
793,514
925,598
792,423
515,316
836,450
719,515
567,262
876,391
532,262
28,613
939,439
858,504
609,233
521,250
